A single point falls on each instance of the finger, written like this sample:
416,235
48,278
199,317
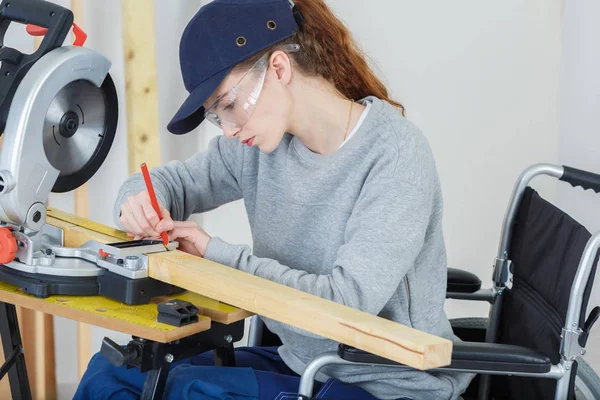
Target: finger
144,198
183,224
123,218
150,214
165,224
140,218
183,232
134,226
129,222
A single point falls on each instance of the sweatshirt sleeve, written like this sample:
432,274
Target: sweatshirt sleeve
383,237
203,182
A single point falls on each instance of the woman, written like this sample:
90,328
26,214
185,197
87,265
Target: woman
342,196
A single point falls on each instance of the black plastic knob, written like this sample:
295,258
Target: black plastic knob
116,354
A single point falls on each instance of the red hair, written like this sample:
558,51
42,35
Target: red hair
328,50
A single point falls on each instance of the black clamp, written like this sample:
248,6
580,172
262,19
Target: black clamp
177,312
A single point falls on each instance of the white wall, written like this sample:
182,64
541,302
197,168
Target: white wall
579,138
479,78
579,133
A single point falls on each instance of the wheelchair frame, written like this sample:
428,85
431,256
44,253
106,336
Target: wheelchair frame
570,347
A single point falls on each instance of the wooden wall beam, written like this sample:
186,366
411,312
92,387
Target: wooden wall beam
140,84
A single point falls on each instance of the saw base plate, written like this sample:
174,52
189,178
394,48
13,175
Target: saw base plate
43,286
111,285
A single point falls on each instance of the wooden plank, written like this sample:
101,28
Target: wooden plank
28,328
138,320
65,219
37,334
77,235
322,317
44,353
140,84
314,314
84,347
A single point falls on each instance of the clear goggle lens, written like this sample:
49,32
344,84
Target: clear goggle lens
233,109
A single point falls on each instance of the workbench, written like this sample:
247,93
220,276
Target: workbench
156,344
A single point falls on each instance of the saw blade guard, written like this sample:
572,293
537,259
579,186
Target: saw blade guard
59,129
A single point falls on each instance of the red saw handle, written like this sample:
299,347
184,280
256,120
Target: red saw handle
80,35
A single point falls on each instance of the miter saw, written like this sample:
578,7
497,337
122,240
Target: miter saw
59,111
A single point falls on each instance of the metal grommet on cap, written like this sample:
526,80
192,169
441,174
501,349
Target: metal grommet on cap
271,25
241,41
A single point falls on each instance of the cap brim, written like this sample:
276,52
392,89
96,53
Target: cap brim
191,112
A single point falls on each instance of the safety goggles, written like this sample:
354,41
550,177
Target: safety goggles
233,109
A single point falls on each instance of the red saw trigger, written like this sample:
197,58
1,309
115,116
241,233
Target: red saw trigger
80,35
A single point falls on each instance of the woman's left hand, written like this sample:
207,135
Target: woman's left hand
192,239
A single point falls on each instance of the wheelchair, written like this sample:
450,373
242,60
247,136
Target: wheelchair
532,343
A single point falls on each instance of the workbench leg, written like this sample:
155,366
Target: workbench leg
224,356
13,350
155,382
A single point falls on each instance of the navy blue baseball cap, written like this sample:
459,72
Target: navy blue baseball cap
222,34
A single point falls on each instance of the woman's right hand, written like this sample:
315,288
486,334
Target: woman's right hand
139,219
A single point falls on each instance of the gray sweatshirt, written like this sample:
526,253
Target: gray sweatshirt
361,227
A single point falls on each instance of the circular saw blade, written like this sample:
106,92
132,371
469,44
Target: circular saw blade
79,129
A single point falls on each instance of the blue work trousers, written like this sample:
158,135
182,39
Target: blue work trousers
260,374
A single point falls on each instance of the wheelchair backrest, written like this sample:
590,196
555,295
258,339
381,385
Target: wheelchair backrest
545,249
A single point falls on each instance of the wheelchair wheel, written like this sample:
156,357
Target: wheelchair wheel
587,382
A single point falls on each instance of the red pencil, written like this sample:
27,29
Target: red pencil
150,188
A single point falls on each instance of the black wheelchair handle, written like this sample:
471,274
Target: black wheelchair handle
585,179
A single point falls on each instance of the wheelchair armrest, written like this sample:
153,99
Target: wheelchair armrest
460,281
484,357
498,357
